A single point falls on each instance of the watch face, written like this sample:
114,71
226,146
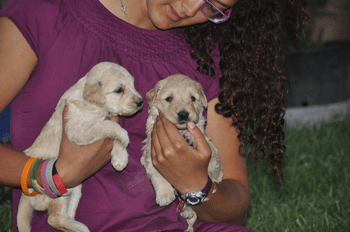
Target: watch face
193,200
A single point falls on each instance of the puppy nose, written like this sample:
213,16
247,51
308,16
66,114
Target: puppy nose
183,115
139,102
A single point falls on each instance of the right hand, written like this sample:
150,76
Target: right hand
77,163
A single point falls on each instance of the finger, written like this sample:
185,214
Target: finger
202,144
64,116
170,131
156,146
115,119
154,156
161,133
64,121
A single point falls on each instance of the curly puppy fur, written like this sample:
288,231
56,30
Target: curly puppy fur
107,90
180,99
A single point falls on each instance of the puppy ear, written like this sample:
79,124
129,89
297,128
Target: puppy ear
93,93
152,94
204,100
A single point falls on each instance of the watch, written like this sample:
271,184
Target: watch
196,197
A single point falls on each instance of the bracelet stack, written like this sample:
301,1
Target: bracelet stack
51,181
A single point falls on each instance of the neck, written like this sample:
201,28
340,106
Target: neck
135,12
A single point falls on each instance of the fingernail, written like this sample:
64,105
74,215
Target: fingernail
191,125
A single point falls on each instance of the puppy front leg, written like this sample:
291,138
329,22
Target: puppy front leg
165,193
83,134
120,156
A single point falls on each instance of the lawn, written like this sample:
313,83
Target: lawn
315,193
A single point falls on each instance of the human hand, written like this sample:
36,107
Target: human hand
77,163
183,166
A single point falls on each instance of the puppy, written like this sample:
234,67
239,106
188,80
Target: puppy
107,90
180,99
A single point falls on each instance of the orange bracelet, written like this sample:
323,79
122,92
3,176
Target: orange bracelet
24,177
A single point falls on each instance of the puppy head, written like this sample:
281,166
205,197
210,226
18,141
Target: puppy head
179,98
111,87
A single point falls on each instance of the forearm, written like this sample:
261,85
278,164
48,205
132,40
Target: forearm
11,166
229,204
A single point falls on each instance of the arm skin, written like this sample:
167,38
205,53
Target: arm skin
186,168
17,61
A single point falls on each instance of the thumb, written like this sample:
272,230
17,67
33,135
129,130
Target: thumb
202,144
64,117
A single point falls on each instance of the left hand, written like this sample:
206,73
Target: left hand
183,166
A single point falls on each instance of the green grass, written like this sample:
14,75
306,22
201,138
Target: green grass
315,193
5,209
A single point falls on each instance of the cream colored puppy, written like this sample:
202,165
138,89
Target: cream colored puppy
107,90
180,99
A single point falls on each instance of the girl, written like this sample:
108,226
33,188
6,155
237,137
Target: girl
232,47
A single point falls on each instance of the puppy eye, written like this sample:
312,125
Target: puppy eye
168,99
193,98
120,90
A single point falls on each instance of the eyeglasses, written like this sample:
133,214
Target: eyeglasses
213,13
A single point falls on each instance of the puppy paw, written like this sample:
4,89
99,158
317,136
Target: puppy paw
119,159
124,138
165,198
190,216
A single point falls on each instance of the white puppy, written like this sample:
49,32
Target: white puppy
107,90
180,99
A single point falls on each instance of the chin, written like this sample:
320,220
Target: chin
163,22
162,25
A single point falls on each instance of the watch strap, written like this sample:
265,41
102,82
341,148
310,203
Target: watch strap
207,187
204,191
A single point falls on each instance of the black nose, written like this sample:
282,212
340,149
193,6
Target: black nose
139,102
183,115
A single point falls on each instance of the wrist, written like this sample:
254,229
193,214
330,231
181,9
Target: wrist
38,173
63,174
194,198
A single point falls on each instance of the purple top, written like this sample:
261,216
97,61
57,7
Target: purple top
69,37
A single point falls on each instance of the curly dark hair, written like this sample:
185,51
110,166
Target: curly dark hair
252,83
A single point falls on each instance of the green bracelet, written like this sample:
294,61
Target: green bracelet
33,179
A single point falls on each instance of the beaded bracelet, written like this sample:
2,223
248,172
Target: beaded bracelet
24,177
33,179
46,186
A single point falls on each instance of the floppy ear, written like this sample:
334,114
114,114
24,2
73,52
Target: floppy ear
93,93
204,100
152,94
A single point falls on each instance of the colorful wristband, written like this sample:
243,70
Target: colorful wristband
49,177
57,180
44,180
33,179
24,177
